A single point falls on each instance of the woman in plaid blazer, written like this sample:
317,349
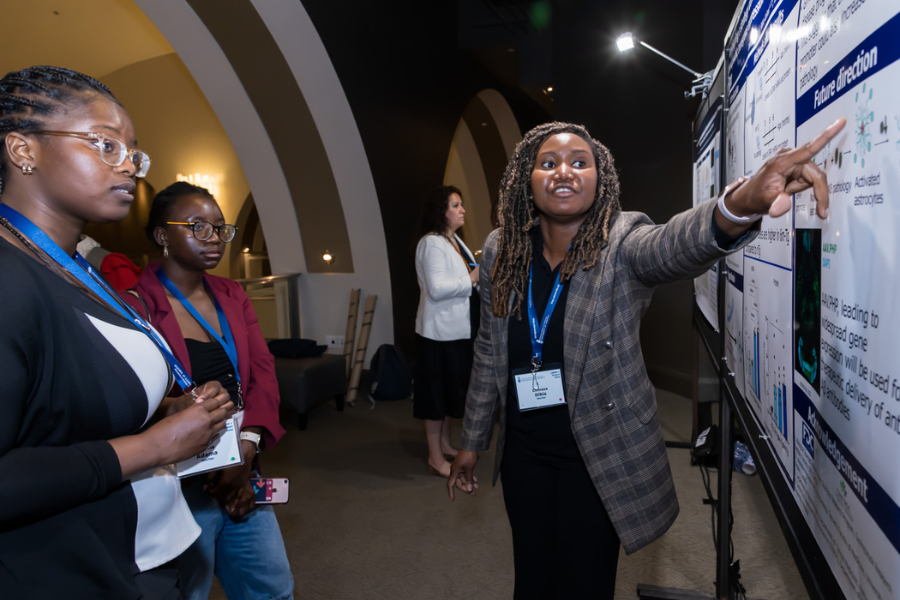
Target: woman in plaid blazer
584,473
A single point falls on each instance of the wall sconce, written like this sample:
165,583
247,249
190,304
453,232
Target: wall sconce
210,182
327,257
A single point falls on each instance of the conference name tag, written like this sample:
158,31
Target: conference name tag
539,389
223,451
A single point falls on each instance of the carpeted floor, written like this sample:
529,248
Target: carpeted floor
365,520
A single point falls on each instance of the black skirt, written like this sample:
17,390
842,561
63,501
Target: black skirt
442,378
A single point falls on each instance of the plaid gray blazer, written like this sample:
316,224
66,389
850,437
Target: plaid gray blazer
612,404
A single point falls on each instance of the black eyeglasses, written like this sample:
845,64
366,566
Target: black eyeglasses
203,230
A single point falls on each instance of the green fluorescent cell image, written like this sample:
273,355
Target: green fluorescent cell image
807,304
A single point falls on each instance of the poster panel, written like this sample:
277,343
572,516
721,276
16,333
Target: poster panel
707,183
819,342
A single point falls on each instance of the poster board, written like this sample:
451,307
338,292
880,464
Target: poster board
707,185
815,350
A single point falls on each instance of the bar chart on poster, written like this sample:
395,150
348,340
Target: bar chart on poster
810,335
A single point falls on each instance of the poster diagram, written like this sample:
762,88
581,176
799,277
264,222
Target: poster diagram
769,123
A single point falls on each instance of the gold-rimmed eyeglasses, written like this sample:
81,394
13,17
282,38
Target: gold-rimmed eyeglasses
113,151
203,230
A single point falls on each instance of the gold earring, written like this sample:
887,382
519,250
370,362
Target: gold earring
166,251
27,170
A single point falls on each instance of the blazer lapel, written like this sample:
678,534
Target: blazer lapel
584,290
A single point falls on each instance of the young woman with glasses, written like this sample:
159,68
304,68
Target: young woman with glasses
240,542
90,506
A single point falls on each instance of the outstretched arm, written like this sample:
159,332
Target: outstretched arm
788,172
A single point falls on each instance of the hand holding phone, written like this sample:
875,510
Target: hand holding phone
270,491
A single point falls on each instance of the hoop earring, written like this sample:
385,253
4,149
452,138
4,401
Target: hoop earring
166,251
27,170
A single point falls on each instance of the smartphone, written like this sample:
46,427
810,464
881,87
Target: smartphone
270,491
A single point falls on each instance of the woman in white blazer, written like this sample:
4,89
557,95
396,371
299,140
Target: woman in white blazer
446,323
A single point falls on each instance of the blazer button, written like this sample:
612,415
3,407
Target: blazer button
609,406
608,344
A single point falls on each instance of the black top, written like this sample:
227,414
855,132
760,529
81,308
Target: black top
74,375
209,362
544,432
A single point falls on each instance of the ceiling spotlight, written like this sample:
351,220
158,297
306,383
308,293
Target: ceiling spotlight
327,257
246,250
625,41
550,89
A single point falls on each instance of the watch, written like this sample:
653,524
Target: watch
253,438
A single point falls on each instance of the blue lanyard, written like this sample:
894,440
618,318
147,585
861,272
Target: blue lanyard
226,340
85,273
538,335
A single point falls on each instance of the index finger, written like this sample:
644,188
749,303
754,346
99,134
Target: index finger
808,150
451,482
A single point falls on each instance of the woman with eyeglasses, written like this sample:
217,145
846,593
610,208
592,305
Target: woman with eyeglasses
90,507
240,542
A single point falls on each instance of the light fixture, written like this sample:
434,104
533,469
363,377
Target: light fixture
327,257
702,81
246,250
549,89
625,41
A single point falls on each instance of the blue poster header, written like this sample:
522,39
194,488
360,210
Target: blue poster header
876,52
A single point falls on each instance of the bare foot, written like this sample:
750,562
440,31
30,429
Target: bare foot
442,471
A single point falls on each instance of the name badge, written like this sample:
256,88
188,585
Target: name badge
539,389
223,451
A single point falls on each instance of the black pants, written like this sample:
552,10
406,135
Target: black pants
564,544
160,583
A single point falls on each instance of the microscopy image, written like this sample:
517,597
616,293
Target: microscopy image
807,303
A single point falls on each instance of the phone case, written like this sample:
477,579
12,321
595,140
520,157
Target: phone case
269,490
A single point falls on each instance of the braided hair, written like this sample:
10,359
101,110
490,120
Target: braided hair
516,213
29,96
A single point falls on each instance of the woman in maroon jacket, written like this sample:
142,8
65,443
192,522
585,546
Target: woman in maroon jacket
240,542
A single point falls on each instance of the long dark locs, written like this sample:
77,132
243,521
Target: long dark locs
29,96
516,214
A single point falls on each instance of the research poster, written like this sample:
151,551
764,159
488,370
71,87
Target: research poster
819,334
707,169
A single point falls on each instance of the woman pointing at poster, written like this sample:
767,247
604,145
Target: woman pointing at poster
564,283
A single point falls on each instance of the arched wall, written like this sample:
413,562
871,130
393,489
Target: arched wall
483,143
327,176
